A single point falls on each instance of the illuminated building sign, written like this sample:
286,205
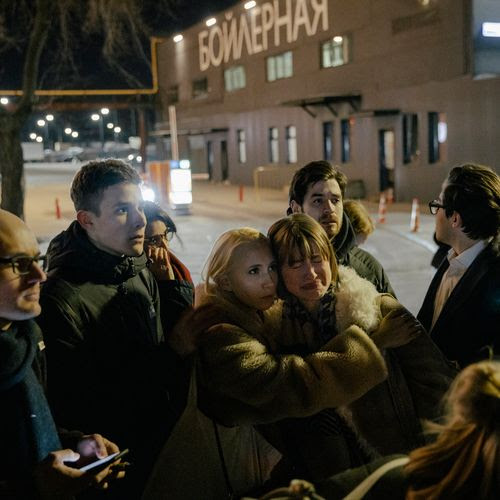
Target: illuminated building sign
260,28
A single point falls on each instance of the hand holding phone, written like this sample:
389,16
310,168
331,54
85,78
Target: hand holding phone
102,463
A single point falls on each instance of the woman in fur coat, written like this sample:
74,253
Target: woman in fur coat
321,300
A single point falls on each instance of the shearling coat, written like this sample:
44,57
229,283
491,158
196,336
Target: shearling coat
246,378
389,415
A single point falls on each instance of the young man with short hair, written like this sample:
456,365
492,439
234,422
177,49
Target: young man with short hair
108,364
462,307
32,463
317,189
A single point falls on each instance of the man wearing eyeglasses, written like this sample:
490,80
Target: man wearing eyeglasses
32,463
109,366
462,307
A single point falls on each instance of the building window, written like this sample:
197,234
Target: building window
291,144
345,137
410,137
280,66
200,88
274,148
242,146
173,94
438,132
234,78
335,52
328,141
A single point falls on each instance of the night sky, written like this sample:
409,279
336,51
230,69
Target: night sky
92,70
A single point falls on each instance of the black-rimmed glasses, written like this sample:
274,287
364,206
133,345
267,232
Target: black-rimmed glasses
434,206
21,264
158,239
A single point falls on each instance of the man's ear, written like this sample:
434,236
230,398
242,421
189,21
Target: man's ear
224,283
85,218
456,220
296,208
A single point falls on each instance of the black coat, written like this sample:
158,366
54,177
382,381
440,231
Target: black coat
468,327
109,369
350,255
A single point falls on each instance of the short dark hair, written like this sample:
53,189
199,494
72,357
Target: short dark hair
311,173
474,192
96,176
153,212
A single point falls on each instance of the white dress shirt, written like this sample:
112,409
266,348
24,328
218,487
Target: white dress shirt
458,265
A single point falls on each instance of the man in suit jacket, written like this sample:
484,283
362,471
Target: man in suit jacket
462,307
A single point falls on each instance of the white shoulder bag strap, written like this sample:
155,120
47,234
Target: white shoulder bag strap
365,486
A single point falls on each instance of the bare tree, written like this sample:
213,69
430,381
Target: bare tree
25,25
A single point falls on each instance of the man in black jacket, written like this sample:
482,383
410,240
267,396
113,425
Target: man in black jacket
317,189
32,463
461,309
109,366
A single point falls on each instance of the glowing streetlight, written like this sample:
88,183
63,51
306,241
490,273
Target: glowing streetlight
68,131
117,130
110,125
41,123
211,21
4,100
74,134
49,118
178,38
33,136
250,5
95,117
104,111
39,138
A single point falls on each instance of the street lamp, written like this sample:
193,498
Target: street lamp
74,134
4,100
33,136
104,111
68,131
110,125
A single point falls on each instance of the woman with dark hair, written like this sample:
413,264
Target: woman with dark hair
169,271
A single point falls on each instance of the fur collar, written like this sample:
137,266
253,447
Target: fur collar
357,301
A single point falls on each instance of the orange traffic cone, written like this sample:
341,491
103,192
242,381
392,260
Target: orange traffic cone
58,209
415,216
381,209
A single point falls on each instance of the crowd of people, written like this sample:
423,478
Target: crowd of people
293,359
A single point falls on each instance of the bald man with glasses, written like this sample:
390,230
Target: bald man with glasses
32,463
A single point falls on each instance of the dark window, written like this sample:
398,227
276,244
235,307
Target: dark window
200,88
410,137
274,149
345,137
328,141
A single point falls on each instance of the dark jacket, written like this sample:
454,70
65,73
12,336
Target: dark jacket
468,327
109,369
350,255
27,430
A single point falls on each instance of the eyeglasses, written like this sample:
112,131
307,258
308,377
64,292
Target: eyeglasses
158,239
21,264
434,206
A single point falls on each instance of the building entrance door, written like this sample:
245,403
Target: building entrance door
386,160
223,160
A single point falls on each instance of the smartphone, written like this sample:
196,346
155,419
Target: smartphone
102,463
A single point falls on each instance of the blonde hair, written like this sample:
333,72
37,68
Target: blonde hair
219,259
296,234
359,217
464,461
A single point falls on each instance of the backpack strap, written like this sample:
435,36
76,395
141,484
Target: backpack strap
366,485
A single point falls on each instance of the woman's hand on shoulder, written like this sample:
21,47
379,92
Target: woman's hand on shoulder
397,328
